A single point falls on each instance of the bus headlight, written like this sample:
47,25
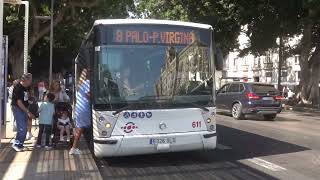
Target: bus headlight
108,125
208,120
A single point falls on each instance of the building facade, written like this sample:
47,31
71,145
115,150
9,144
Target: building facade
261,69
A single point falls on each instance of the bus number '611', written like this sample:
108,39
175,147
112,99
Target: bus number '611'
196,124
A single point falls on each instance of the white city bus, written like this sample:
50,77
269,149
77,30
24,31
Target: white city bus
152,86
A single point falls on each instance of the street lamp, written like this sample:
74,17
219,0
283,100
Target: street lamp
26,24
1,54
51,42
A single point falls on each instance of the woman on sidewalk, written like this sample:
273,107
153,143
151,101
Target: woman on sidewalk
58,92
82,110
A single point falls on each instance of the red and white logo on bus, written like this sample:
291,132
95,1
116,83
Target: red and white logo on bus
129,127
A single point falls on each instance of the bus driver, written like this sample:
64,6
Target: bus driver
127,84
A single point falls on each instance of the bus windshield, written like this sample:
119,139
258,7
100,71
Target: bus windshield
166,66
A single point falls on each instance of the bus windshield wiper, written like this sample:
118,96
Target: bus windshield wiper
126,107
194,104
199,106
170,99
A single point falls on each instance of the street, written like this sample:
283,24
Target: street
287,148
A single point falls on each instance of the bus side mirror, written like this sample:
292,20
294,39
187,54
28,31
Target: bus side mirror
218,60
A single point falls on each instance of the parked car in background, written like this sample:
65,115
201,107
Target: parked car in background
242,98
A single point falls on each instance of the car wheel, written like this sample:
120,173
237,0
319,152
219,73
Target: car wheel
269,116
237,111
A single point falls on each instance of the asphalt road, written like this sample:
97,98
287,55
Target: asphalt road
287,148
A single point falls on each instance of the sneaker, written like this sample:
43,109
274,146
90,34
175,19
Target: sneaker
17,148
68,139
29,136
38,146
74,151
21,146
48,147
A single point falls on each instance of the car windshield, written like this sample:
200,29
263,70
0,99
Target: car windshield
264,89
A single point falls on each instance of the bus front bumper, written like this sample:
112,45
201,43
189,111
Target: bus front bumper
145,144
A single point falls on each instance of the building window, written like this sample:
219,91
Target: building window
268,74
227,64
284,64
284,74
245,62
296,59
256,61
267,60
298,75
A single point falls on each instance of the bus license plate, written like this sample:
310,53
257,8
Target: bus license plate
162,140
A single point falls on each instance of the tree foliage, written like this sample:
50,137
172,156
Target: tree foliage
72,19
222,15
266,21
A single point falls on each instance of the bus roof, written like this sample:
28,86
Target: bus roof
151,21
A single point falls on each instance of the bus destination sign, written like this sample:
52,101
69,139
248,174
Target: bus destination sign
153,37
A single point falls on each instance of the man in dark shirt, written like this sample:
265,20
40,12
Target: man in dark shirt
20,110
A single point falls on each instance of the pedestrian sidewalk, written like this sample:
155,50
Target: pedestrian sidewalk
300,114
302,109
38,163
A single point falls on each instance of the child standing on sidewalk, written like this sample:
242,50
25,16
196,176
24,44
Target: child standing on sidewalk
46,112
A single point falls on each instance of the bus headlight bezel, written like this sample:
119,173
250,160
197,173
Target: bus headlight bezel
108,125
101,118
212,127
104,133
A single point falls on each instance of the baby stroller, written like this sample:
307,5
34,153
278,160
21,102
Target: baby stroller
61,107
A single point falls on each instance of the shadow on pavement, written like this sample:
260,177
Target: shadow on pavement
218,164
56,163
185,165
260,118
248,145
7,155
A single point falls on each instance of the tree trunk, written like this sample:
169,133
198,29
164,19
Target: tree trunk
305,81
280,62
314,98
16,56
17,64
315,66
